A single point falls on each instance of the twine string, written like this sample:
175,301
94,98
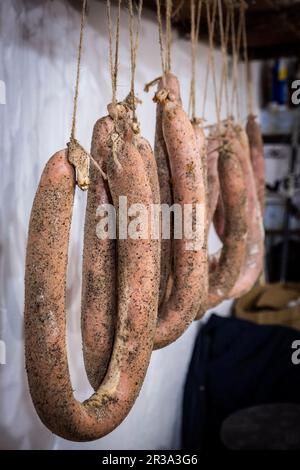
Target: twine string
235,44
195,28
169,7
248,73
165,38
134,43
224,35
113,57
78,67
210,64
161,36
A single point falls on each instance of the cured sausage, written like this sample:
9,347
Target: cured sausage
253,263
219,218
147,155
233,189
213,184
226,264
190,265
202,150
257,158
255,237
201,143
45,285
98,306
146,152
169,83
99,323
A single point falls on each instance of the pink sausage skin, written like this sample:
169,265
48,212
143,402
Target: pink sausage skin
45,287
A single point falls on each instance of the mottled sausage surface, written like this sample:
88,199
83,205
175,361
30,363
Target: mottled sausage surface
257,158
147,155
45,287
226,264
170,83
233,190
190,265
99,293
201,143
98,327
213,183
219,218
253,265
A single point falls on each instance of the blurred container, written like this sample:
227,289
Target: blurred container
274,213
280,82
276,119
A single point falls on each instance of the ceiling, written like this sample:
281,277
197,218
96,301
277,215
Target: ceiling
273,26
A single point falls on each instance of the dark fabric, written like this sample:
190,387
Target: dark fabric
235,364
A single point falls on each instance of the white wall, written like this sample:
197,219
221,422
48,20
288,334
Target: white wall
37,63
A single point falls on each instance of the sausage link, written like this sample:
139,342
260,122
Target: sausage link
147,155
233,190
146,152
226,264
257,158
190,265
201,143
99,351
219,218
255,237
45,286
170,83
213,183
98,306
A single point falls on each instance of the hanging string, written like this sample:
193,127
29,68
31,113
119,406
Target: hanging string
195,27
233,51
161,36
211,20
231,13
211,28
192,99
238,55
165,39
169,7
75,101
113,60
134,42
178,8
224,35
77,155
235,40
248,75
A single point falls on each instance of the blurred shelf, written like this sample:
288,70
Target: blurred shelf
278,139
281,232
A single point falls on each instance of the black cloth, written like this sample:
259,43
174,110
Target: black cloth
235,364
